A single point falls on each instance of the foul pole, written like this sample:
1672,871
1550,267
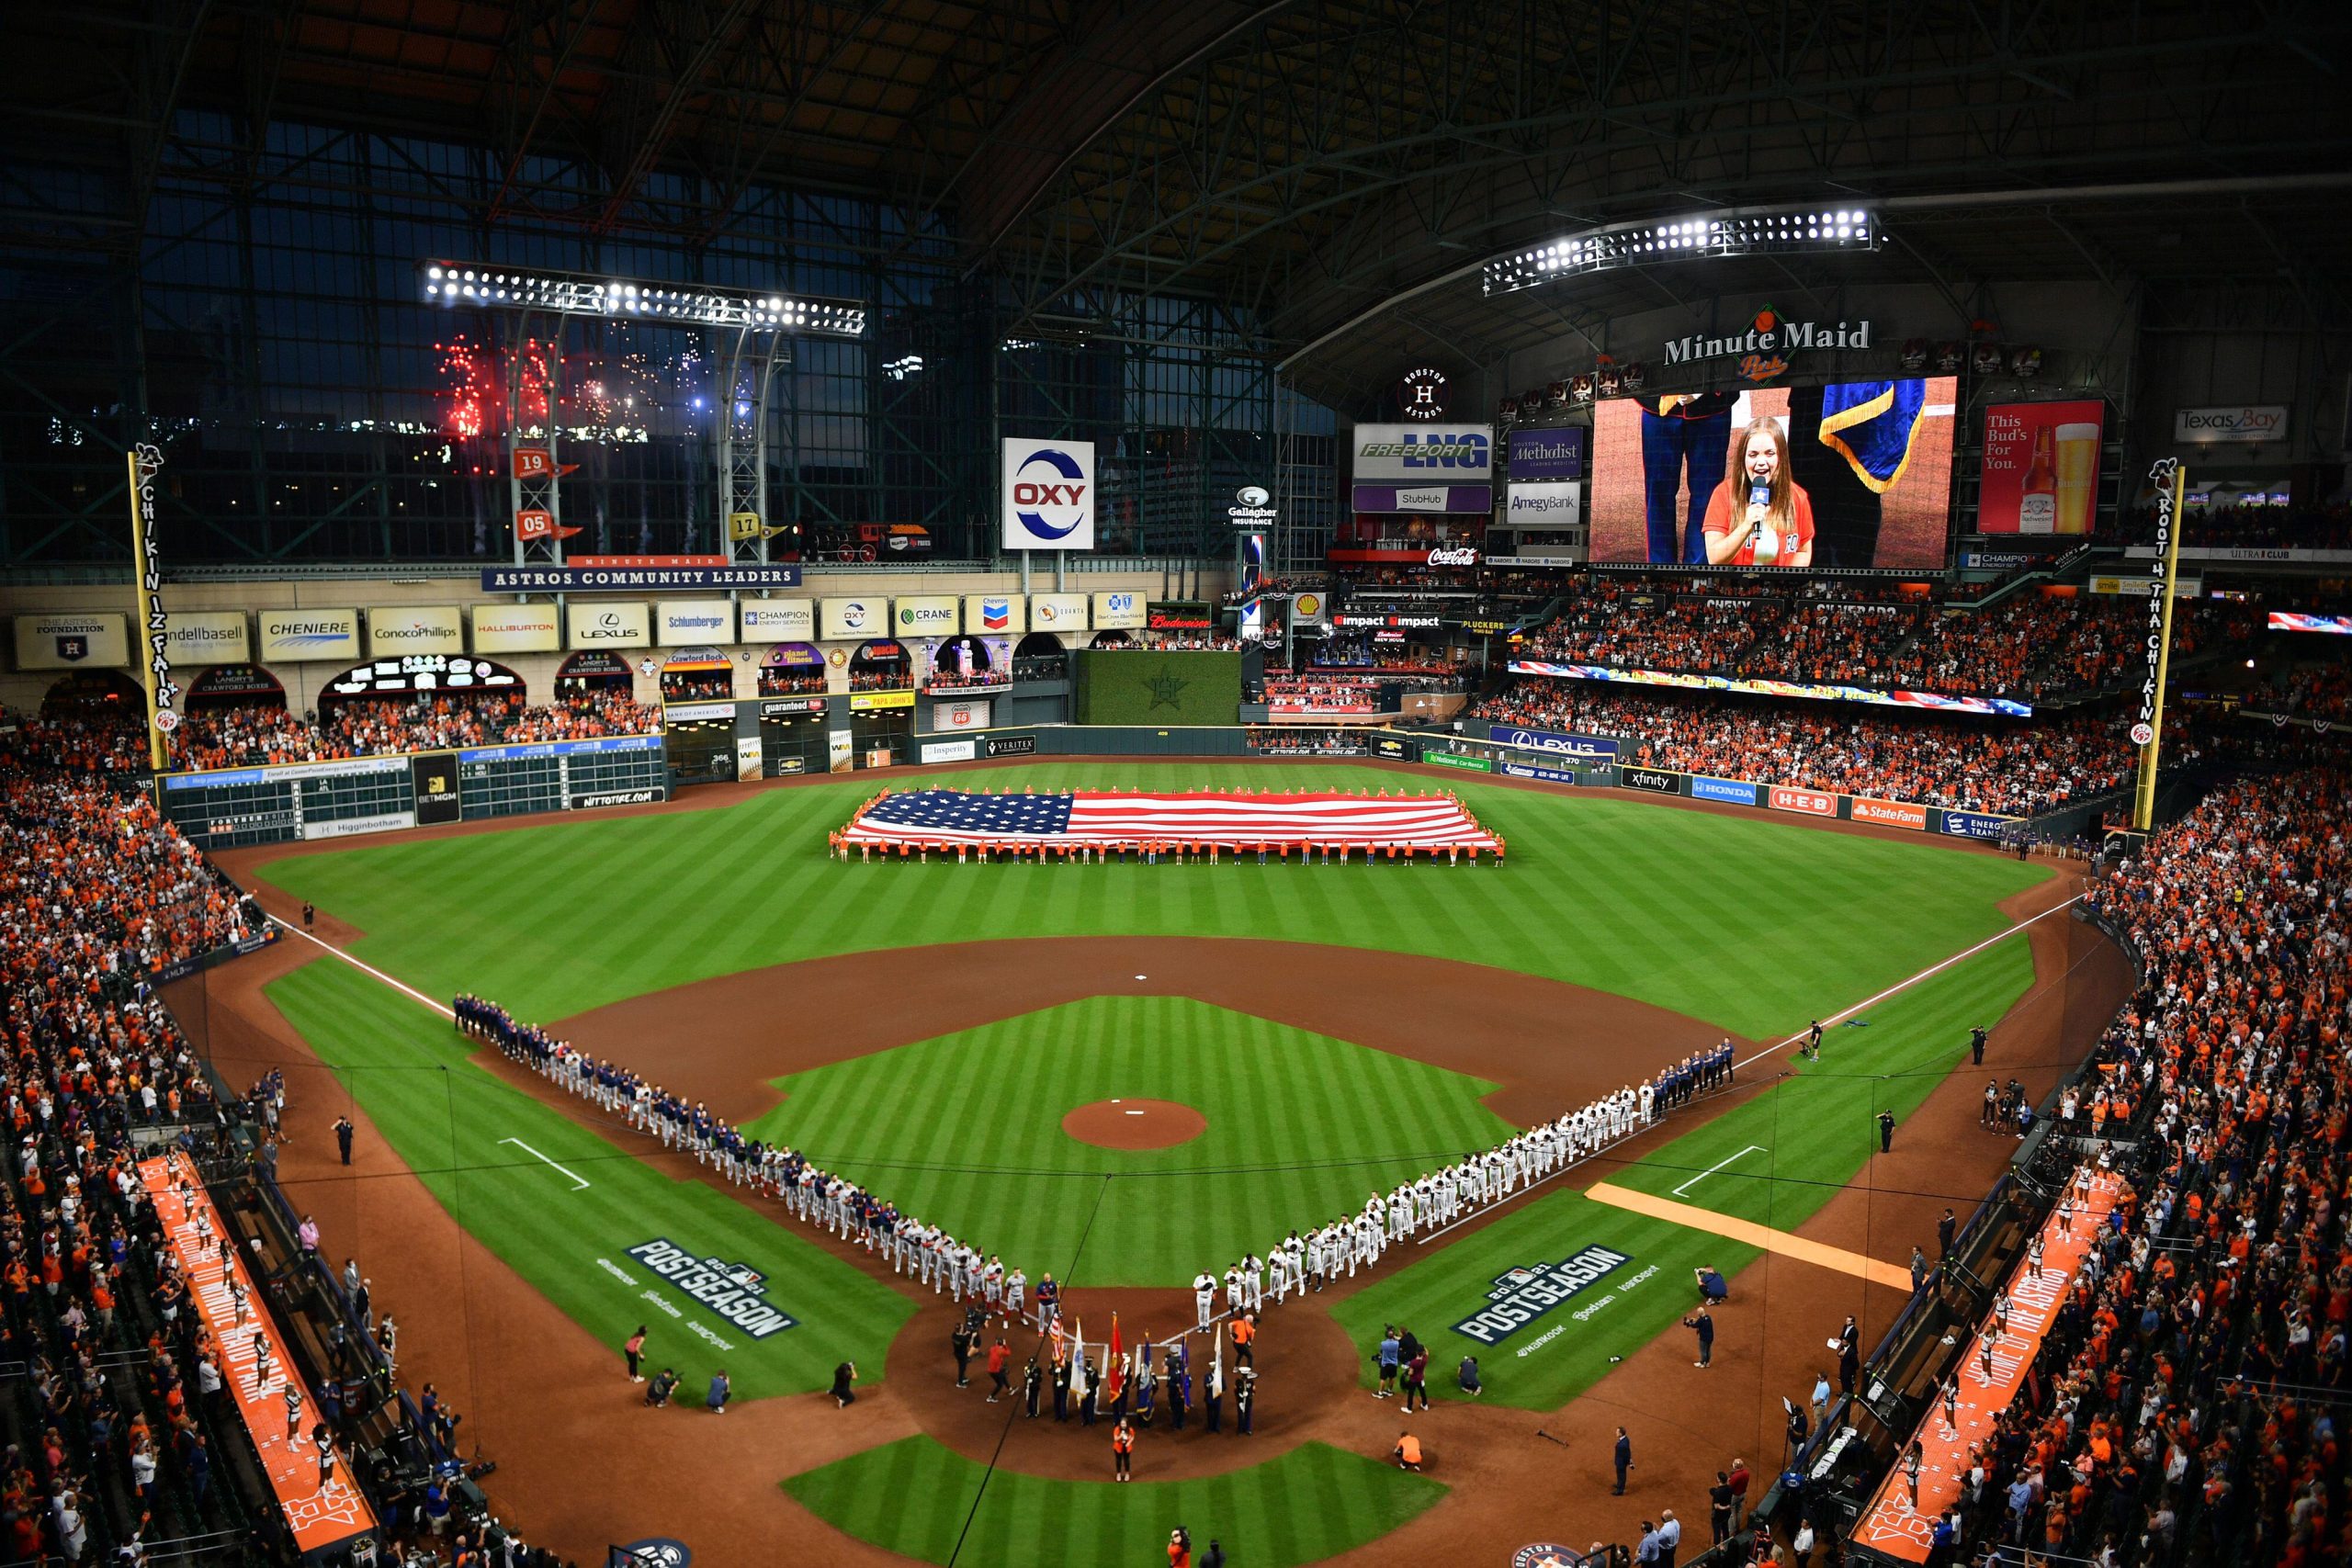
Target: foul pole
2148,733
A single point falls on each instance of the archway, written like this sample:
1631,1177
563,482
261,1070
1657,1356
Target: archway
85,692
882,664
235,686
595,671
792,670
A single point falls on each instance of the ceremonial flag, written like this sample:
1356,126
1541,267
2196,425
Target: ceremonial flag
1228,818
1216,1363
1114,1365
1077,1363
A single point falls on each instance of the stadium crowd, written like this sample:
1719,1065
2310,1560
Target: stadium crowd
1969,763
366,727
2186,1403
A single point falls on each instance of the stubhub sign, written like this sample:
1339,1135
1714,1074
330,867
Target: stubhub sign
1048,494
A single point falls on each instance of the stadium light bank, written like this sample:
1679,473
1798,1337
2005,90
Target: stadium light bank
490,286
1798,233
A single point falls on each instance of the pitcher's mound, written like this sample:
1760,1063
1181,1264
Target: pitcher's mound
1135,1123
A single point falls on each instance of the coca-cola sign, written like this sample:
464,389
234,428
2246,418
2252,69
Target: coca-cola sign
1453,554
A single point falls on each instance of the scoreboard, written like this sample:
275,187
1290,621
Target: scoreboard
235,807
562,775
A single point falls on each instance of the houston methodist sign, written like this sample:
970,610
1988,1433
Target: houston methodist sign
1048,495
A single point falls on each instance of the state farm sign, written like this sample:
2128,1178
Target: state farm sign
1811,802
1892,813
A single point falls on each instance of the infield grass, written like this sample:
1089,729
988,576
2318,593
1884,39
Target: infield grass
465,1133
1750,923
1796,1146
1312,1503
965,1131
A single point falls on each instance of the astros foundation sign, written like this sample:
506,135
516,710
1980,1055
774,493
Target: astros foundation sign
736,1292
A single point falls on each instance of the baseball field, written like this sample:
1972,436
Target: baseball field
965,1040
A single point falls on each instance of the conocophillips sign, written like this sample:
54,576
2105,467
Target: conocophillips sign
397,629
295,637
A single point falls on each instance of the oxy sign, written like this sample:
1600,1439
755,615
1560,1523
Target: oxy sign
1048,495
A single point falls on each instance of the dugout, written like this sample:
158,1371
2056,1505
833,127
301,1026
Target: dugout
698,742
793,736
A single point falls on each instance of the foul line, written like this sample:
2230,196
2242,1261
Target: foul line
578,1183
368,969
1750,1149
1763,1237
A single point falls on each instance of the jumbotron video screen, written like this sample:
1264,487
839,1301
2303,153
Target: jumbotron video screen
1847,474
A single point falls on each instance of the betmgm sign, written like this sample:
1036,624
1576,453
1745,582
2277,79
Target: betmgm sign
1521,1295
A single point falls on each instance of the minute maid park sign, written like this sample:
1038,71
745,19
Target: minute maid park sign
736,1292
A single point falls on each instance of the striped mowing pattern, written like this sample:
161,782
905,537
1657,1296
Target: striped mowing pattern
1313,1502
447,1118
1751,922
965,1132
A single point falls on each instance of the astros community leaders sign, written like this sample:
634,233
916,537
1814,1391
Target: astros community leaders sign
1522,1295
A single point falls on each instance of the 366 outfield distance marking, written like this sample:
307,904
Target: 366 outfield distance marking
1750,1149
579,1183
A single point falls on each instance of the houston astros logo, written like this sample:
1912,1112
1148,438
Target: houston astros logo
1048,496
1165,690
1544,1554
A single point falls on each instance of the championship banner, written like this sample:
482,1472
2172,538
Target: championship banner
318,1518
1892,1525
1815,691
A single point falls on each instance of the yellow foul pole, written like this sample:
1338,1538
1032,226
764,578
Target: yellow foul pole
147,572
2148,733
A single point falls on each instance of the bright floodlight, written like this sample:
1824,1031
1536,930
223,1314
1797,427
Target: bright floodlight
585,294
1743,233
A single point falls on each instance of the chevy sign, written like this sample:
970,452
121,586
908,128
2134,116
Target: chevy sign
1431,454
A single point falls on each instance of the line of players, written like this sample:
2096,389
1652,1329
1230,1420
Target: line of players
1443,1198
929,1254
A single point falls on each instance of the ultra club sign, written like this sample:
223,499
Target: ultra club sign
1048,497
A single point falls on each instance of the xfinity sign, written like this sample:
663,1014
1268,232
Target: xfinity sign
1048,496
1427,453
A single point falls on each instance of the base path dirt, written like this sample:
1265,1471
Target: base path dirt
1135,1123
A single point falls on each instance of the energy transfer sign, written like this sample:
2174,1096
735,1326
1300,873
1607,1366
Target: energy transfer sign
736,1292
1519,1296
1048,495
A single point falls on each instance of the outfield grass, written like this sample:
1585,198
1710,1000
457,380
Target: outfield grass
461,1130
1797,1145
1751,923
965,1131
1312,1503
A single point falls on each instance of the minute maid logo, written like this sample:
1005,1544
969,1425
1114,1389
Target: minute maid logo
1522,1295
736,1292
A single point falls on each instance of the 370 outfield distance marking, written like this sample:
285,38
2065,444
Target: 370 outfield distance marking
579,1183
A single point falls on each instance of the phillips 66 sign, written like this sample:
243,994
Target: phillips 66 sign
1048,495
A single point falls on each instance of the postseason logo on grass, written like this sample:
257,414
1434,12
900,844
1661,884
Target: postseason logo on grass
1522,1295
736,1292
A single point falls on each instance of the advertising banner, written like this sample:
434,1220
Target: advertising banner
1890,813
318,1518
2141,587
1594,746
1048,494
950,750
434,778
1556,454
681,622
1657,781
747,763
1815,691
1544,506
397,629
777,620
1810,801
1392,747
696,713
297,636
995,614
1529,771
1972,824
2266,422
781,707
853,620
1118,612
1476,499
1059,612
516,629
1455,760
2041,470
878,701
206,636
839,759
1011,745
635,578
1424,453
2307,621
963,713
1731,790
932,615
608,626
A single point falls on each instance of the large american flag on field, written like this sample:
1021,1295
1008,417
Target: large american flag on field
1106,818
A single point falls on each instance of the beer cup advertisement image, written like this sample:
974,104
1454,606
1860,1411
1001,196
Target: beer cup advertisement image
2041,468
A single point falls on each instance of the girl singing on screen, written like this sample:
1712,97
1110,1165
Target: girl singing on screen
1759,515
